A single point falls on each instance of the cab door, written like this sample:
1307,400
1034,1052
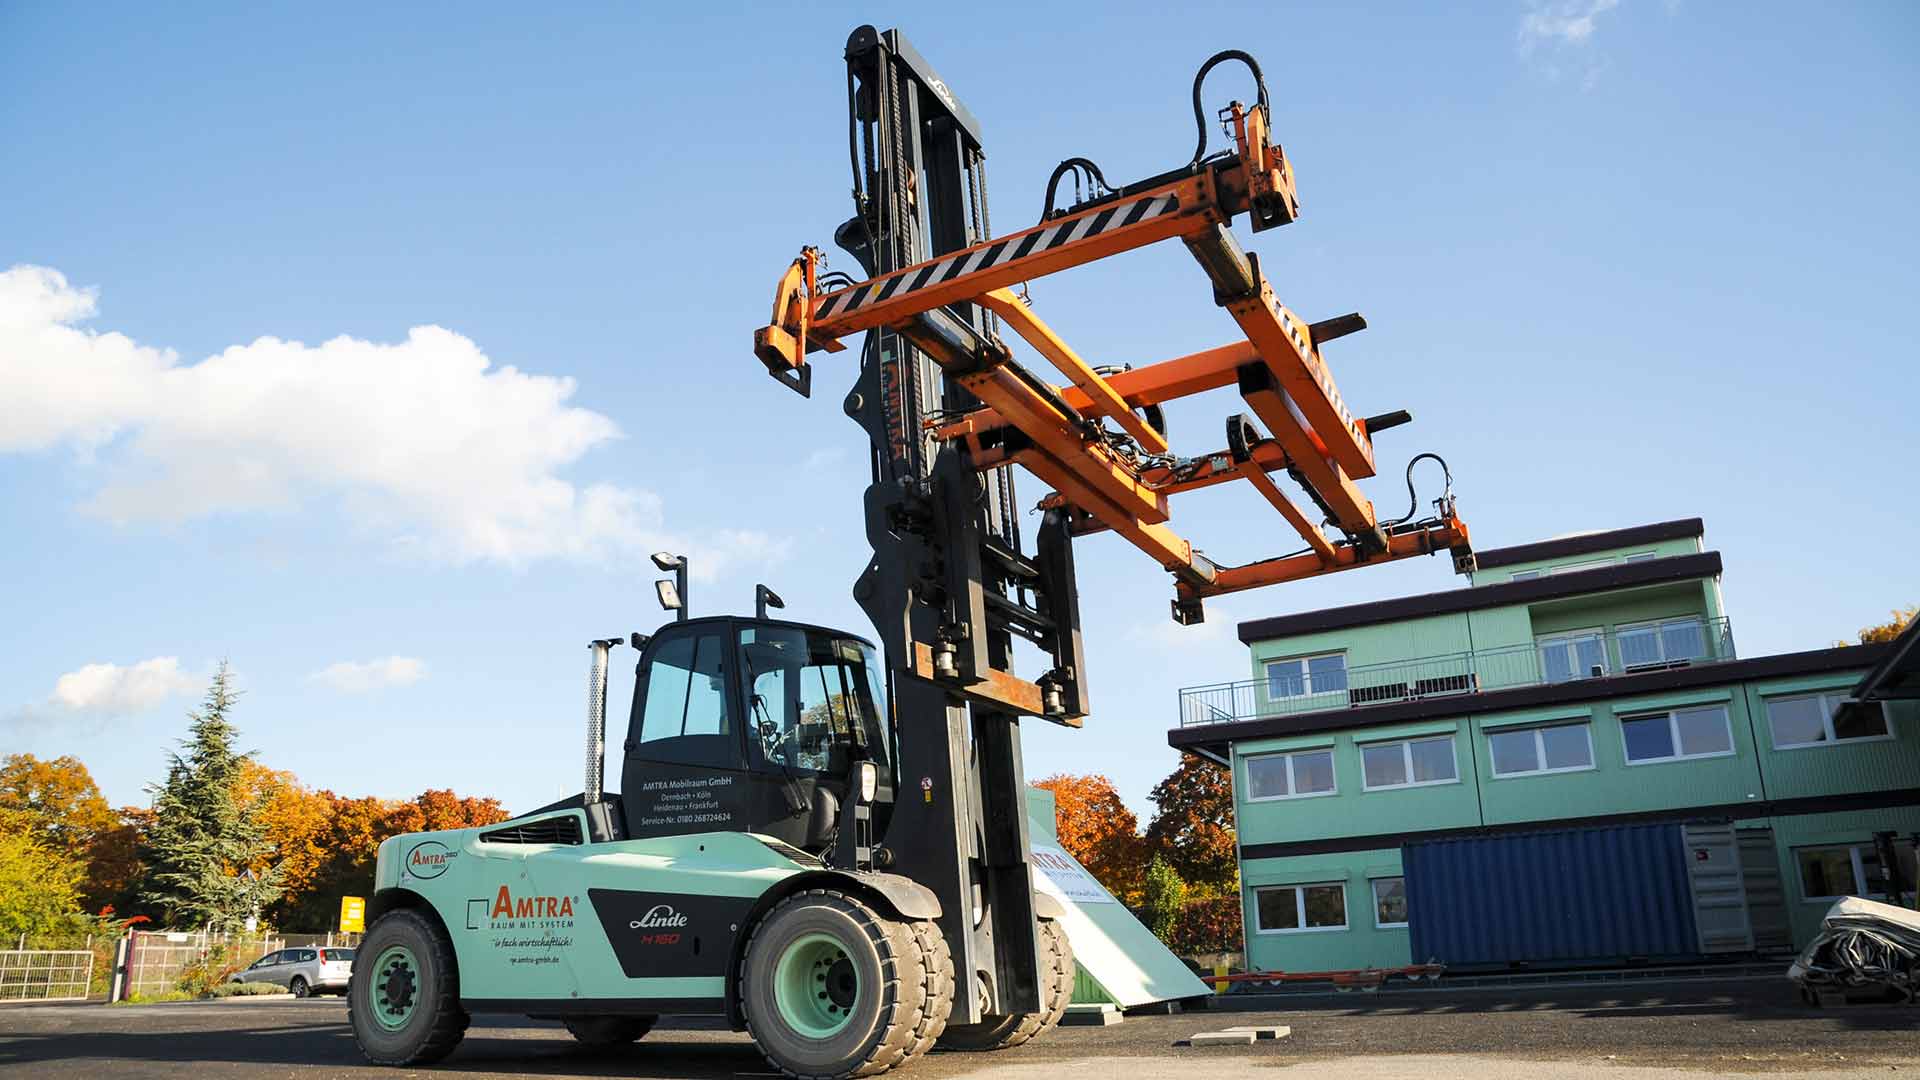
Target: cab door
685,768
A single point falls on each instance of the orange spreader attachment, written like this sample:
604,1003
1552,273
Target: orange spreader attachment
1093,439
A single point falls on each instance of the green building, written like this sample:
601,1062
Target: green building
1584,694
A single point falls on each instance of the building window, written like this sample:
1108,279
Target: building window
1389,902
1829,873
1640,556
1677,735
1525,575
1576,654
1300,909
1290,776
1657,644
1411,763
1561,748
1303,676
1817,720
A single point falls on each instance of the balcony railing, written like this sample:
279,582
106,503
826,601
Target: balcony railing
1670,643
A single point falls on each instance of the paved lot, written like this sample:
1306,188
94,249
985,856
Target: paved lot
1637,1033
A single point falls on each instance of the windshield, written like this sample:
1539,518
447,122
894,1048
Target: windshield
814,699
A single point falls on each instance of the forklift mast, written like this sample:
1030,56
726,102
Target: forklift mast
948,588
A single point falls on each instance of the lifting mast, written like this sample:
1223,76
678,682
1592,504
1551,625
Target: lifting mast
948,410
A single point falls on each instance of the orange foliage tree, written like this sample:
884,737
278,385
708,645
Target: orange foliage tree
1887,631
58,803
1098,830
1192,829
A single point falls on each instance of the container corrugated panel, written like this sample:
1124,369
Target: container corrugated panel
1572,896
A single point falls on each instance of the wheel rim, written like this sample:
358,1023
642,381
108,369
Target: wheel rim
299,988
394,990
815,986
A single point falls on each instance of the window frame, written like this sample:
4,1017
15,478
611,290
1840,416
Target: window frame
1406,760
1300,908
1673,732
1568,638
1857,851
1373,889
1839,697
1305,661
1540,751
1333,772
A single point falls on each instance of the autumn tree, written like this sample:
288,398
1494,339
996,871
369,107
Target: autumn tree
58,799
39,883
205,840
1192,827
1899,619
114,866
1098,830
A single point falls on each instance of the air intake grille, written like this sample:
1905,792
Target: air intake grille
554,830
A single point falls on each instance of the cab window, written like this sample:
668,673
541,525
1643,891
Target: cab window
810,698
686,689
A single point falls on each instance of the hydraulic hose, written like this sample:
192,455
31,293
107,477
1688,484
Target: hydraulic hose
1199,113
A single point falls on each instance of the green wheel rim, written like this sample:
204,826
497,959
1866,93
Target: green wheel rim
815,986
394,990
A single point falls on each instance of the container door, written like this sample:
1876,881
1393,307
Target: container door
1719,889
1766,897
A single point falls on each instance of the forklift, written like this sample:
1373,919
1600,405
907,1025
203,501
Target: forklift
823,837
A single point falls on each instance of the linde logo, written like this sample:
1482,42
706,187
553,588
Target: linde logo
429,859
658,917
508,906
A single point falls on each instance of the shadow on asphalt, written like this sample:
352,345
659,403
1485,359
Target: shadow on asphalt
1754,1001
303,1043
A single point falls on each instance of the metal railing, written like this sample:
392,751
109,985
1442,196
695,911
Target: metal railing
1557,658
45,974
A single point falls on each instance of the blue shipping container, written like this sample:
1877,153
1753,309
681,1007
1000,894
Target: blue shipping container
1573,896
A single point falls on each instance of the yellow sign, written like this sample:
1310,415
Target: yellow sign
353,914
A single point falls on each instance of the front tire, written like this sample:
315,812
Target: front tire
404,1000
1004,1031
832,989
601,1032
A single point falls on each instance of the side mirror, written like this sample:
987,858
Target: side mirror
668,595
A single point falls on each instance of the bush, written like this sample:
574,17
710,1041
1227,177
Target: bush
151,999
252,989
1207,926
209,973
1165,897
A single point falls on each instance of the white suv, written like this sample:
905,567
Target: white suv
318,970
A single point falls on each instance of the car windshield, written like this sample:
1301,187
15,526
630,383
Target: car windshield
814,698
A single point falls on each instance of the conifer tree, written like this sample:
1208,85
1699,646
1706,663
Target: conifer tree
204,838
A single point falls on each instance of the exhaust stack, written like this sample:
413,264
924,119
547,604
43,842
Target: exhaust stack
597,719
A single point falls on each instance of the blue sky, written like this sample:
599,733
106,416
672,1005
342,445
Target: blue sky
1625,262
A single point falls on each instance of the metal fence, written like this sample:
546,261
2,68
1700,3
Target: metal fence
1555,659
45,974
157,958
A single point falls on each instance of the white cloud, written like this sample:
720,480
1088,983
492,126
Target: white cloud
1561,22
423,442
353,677
108,690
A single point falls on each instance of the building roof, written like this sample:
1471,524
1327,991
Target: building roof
1588,543
1452,601
1214,740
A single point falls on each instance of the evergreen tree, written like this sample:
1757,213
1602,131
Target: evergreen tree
1166,894
204,837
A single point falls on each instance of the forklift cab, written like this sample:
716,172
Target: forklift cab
753,725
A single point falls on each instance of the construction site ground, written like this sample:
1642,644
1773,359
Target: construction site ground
1682,1029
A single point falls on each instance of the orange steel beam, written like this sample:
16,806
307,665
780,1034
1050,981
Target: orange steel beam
1150,385
1285,343
1173,209
1352,511
1160,543
1101,398
1450,534
1308,530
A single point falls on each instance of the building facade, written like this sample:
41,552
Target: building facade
1562,741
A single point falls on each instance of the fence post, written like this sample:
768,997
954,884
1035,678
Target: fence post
118,985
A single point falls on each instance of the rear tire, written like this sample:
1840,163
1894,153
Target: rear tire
1005,1031
298,987
830,988
404,997
609,1031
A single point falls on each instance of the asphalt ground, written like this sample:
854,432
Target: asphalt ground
1619,1033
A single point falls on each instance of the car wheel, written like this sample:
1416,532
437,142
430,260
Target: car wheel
404,998
299,987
